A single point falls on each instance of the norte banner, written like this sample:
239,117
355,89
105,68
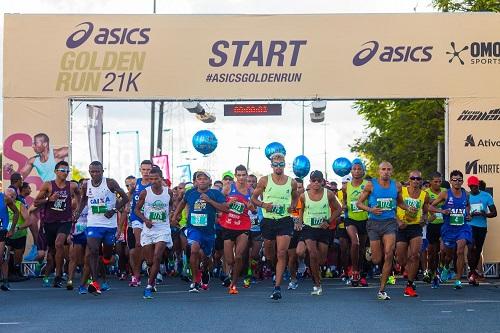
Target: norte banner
94,129
188,57
474,149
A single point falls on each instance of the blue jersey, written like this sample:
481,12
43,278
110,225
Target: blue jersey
385,199
480,203
457,207
201,215
135,197
4,213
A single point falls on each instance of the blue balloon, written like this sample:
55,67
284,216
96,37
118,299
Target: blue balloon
342,166
301,166
204,142
274,147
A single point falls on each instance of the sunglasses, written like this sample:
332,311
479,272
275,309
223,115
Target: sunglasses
317,180
415,178
227,178
456,180
63,170
278,164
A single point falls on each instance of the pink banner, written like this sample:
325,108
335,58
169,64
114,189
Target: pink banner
163,163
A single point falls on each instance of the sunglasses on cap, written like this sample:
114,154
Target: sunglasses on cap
63,170
278,164
415,178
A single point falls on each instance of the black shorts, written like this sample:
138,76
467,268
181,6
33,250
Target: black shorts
219,241
315,234
256,236
341,233
407,234
296,238
3,235
130,238
54,229
228,234
360,226
478,237
280,227
433,233
18,243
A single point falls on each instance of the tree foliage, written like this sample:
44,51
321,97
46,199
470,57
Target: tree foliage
467,5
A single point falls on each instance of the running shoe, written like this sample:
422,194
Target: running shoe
233,290
391,279
154,289
227,281
247,282
317,291
148,293
69,285
473,279
427,277
123,277
134,282
58,282
5,286
82,290
445,273
410,292
204,286
355,279
205,277
94,288
159,278
382,295
105,286
46,282
328,273
276,295
435,282
363,282
293,285
457,285
194,287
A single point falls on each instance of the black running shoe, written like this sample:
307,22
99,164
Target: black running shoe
276,295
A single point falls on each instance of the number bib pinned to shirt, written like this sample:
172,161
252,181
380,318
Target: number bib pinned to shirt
354,207
99,209
385,203
198,220
278,209
158,217
457,219
316,221
237,207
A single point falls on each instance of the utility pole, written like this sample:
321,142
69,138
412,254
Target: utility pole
248,154
159,141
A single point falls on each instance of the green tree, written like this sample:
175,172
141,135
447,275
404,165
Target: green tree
467,5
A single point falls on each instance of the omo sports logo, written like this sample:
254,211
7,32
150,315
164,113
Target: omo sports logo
110,36
399,53
481,53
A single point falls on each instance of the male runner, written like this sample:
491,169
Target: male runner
410,223
255,240
482,208
279,196
321,208
57,197
297,247
153,208
383,194
134,228
99,195
456,233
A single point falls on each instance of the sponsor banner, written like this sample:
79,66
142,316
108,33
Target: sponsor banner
474,149
163,162
336,56
95,129
185,173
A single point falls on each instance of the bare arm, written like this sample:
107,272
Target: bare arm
364,196
335,207
15,215
261,186
83,201
42,196
26,169
138,209
295,196
433,206
115,188
178,211
60,153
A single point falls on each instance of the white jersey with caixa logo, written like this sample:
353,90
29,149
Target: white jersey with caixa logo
156,209
100,200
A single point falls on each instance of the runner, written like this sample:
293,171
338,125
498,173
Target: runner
99,195
255,240
153,208
78,253
355,221
321,209
279,196
7,228
58,195
135,224
297,247
409,234
434,232
456,232
482,208
235,224
203,203
383,194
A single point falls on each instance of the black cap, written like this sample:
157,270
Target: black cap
316,174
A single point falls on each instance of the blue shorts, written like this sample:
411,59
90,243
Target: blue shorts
80,239
451,234
425,245
106,235
206,241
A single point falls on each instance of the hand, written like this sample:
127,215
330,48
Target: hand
324,225
401,225
411,209
205,197
251,207
54,196
8,169
445,211
375,211
232,200
297,225
431,217
148,223
267,206
9,234
478,213
109,214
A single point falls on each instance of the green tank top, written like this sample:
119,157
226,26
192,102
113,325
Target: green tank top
316,212
280,196
353,193
433,196
183,220
20,222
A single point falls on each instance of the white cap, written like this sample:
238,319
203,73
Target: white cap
346,179
203,172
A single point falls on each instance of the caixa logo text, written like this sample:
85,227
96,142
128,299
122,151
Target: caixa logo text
107,35
400,53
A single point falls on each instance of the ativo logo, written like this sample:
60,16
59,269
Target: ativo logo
470,142
107,35
479,115
474,167
399,53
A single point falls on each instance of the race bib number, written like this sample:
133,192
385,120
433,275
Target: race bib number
198,220
80,228
410,202
254,221
98,209
59,204
158,217
457,219
316,221
385,203
355,208
477,207
237,207
439,216
278,209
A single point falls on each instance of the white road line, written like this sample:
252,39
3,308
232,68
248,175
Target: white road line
12,323
460,300
446,311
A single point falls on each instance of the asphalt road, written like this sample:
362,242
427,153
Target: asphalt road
31,308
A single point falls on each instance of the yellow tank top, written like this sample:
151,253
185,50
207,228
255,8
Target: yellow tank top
418,203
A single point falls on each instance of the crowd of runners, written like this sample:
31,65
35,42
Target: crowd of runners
242,230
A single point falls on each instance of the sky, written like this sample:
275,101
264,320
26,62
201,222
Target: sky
341,127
